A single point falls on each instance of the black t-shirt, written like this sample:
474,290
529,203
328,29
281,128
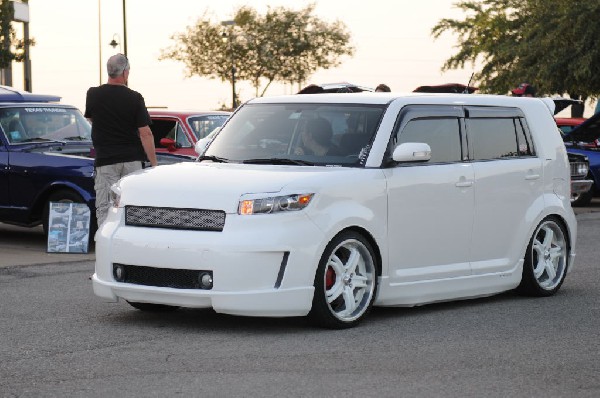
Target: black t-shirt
116,112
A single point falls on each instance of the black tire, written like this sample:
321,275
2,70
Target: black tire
546,259
345,282
149,307
67,196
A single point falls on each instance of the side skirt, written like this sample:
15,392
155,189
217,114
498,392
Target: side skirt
432,291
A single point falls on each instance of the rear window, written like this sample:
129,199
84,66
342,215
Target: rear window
499,138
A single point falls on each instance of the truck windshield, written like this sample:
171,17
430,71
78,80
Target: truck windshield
31,123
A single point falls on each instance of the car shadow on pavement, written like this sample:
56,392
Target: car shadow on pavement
203,320
593,207
29,246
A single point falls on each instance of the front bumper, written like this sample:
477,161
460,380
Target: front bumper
266,302
261,265
579,187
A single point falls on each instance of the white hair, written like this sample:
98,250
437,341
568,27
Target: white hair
116,65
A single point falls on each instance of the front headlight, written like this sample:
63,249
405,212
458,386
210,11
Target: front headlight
115,195
274,204
579,169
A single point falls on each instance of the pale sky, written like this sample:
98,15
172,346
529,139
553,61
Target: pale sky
392,40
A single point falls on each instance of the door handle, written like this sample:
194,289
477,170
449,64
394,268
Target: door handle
532,176
464,184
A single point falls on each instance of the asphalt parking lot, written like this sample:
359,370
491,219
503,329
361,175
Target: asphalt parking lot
28,246
58,339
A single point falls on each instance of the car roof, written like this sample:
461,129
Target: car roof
369,98
587,131
563,103
455,88
341,87
569,121
184,113
10,94
35,104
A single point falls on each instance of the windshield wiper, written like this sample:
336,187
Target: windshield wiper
39,139
295,162
77,138
213,158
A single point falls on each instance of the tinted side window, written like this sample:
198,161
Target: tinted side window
442,135
492,138
524,138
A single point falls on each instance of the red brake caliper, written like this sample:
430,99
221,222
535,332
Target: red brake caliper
329,278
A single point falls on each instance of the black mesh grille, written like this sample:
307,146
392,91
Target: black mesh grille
160,277
172,218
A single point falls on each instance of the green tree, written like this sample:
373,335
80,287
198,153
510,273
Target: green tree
280,46
548,43
8,37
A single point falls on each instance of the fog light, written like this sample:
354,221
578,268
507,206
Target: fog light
119,272
206,280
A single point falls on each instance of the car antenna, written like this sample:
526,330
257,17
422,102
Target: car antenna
468,84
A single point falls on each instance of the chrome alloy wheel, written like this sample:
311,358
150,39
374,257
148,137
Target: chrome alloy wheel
349,280
549,252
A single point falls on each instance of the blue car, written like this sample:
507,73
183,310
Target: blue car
583,139
45,156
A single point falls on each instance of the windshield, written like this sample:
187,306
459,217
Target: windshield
204,125
331,134
40,123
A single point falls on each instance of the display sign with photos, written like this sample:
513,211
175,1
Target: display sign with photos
68,228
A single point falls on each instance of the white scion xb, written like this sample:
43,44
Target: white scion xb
326,205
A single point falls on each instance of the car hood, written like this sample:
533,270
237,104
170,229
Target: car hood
58,148
587,131
561,103
219,186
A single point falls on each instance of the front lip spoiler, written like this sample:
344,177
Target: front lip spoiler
296,301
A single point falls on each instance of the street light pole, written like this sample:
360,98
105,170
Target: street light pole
124,31
234,102
231,24
26,61
99,43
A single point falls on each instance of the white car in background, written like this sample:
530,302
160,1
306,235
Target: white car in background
418,199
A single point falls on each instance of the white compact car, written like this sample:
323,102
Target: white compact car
326,205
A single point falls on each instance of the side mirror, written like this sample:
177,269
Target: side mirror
168,143
412,152
201,145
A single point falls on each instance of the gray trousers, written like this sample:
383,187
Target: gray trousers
105,177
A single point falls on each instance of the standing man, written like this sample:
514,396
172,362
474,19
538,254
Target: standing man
120,132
